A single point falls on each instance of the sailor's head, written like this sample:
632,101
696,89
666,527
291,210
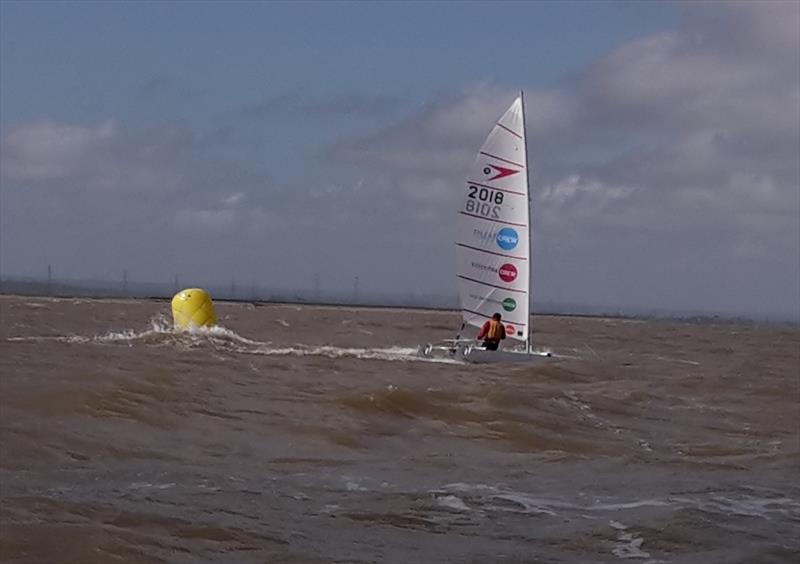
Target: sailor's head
497,317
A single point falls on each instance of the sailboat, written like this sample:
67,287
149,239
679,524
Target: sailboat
493,246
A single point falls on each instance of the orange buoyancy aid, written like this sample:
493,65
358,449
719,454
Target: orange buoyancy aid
495,331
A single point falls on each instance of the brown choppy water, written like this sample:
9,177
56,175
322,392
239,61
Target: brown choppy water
313,434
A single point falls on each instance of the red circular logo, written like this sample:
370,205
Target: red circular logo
510,330
508,272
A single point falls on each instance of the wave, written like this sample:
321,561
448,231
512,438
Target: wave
764,504
163,333
403,354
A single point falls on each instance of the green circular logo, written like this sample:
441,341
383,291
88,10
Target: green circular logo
509,304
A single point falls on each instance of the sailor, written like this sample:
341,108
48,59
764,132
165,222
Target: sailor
492,333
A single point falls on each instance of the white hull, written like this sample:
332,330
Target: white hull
476,354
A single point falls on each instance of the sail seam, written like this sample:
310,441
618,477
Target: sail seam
490,252
511,131
492,285
520,323
501,159
494,220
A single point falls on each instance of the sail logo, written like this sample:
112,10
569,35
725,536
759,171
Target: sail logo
507,272
482,234
508,304
507,238
501,171
484,267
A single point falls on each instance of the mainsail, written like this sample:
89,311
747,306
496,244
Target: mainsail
493,238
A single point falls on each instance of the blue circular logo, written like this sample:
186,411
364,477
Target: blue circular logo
507,238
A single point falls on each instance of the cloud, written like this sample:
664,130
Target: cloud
451,125
595,193
666,164
716,129
47,151
732,66
672,122
233,199
422,158
63,157
234,214
747,30
202,220
684,141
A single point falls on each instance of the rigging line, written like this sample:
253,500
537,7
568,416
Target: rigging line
458,335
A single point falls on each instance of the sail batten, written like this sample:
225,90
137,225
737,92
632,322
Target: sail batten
493,240
491,252
495,157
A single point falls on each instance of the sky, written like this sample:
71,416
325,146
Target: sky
281,144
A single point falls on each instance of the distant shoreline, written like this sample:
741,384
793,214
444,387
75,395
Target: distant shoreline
703,319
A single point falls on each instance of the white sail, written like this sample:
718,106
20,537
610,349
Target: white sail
493,240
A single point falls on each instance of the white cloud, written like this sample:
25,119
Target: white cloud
573,188
678,149
57,156
720,105
706,77
50,151
233,199
684,141
444,135
201,220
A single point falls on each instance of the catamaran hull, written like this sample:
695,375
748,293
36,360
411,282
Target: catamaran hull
483,356
478,355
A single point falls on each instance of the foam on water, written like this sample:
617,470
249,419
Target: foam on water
748,506
452,502
486,496
403,354
163,333
630,546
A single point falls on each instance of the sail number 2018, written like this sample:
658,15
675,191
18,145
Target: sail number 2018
480,201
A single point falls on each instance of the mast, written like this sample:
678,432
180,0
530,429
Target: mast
529,343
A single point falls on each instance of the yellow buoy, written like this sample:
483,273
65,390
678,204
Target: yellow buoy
193,308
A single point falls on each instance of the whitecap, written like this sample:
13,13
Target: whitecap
630,546
452,502
402,354
163,332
